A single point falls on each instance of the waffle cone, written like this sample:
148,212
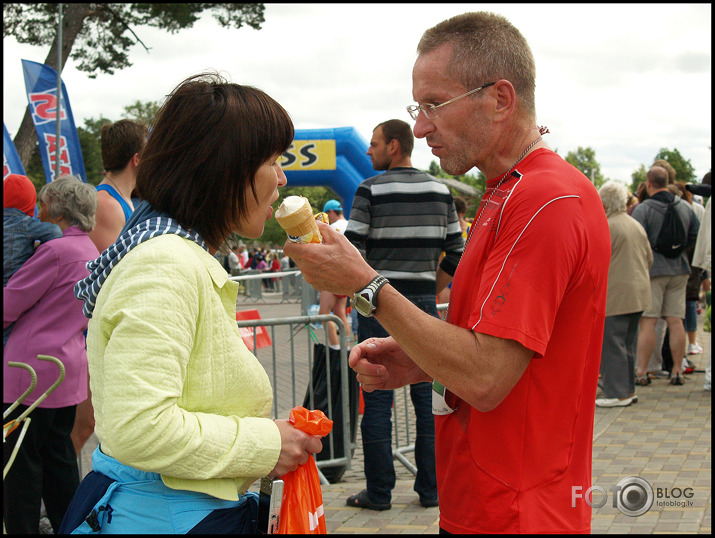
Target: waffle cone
300,225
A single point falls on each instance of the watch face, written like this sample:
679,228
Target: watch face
362,305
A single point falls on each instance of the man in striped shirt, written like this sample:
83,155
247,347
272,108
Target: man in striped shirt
401,221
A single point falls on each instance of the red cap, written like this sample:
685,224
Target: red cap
19,192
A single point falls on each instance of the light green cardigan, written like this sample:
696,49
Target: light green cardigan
174,388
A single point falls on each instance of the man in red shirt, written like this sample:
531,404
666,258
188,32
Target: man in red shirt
515,366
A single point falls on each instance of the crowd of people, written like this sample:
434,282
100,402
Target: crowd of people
38,300
555,289
646,287
263,258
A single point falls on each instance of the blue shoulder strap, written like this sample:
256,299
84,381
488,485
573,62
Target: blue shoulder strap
118,197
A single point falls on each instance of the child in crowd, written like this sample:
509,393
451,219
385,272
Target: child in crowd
21,232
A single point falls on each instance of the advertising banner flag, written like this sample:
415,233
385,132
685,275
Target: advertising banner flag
41,86
11,163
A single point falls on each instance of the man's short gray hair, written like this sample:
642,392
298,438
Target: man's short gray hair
71,198
486,48
614,196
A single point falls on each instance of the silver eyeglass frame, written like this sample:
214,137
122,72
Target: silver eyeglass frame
430,111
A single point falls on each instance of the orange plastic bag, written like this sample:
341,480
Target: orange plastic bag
302,503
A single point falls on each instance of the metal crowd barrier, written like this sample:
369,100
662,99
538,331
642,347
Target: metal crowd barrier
407,408
287,283
291,373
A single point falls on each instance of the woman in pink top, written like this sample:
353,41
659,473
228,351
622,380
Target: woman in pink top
39,299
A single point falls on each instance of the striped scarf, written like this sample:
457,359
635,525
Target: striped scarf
145,223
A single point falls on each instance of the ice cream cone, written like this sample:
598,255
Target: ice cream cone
295,216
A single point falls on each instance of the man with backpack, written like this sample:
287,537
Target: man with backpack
671,226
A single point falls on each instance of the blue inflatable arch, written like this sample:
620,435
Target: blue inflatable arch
334,158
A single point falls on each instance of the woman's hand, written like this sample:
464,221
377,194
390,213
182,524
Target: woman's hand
296,447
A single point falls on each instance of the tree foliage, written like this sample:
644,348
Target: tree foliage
99,36
685,171
106,31
637,177
585,160
143,112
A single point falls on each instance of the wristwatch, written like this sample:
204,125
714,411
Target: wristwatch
365,301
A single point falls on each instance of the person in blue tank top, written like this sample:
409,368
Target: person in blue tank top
121,143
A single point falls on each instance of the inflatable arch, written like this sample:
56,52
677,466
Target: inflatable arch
334,158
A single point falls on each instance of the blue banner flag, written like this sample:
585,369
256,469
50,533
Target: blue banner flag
11,160
41,86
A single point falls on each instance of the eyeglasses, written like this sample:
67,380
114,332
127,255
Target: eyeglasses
430,111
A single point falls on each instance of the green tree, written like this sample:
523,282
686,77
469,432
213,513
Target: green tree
92,155
637,177
585,160
684,170
143,112
99,36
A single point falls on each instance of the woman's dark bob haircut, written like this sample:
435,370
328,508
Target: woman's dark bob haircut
206,144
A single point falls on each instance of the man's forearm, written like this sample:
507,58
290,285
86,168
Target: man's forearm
478,368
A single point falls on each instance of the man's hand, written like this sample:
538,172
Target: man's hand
381,363
334,265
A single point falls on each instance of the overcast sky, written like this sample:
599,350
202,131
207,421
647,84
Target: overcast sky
625,80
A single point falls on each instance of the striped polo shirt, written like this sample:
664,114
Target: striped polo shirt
402,221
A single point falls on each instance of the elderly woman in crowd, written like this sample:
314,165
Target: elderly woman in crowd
39,299
182,408
628,296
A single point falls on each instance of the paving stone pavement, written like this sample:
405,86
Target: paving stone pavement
664,438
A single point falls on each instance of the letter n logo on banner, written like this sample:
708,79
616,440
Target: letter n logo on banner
41,87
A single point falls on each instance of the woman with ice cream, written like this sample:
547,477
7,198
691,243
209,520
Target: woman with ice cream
181,406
